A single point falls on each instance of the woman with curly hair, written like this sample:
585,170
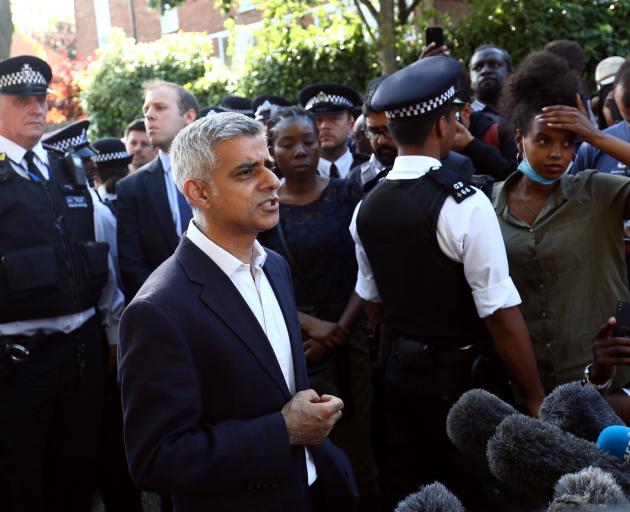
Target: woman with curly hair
563,233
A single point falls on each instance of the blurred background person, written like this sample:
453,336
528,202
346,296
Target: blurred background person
138,145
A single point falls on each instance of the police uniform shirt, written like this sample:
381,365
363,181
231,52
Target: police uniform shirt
467,233
370,169
111,301
343,163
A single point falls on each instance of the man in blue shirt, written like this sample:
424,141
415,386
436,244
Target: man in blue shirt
588,156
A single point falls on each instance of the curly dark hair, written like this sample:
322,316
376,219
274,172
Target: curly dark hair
542,79
283,113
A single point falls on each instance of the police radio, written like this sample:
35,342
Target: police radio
75,169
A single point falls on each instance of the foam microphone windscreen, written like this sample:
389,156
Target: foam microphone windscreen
531,456
587,490
473,419
616,441
578,409
431,498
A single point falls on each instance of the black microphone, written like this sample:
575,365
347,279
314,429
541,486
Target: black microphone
588,490
578,409
431,498
531,456
473,419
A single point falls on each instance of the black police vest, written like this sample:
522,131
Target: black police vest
50,264
425,294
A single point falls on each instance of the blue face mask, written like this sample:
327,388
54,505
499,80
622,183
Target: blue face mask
526,168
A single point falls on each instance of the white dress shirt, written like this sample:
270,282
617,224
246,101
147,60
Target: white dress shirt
343,163
171,190
467,233
111,301
253,285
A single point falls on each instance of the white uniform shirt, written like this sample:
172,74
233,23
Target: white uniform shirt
111,301
343,163
467,233
253,285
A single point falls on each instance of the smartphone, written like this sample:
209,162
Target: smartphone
622,315
434,34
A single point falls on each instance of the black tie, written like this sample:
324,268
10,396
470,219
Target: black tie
334,172
375,181
30,163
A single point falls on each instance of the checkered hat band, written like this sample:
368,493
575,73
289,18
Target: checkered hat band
108,157
335,99
27,75
421,108
67,145
246,111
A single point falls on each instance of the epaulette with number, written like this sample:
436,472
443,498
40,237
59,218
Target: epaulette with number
5,168
456,186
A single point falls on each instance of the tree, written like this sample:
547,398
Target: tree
6,28
392,17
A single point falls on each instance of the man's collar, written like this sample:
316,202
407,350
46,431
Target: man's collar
16,152
412,167
227,262
165,159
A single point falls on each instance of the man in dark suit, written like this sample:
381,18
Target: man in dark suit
216,406
152,213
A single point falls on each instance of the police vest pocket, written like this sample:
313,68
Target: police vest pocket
28,269
94,256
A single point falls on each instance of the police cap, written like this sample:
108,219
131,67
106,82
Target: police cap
24,76
418,89
111,153
70,138
210,111
329,98
264,105
237,104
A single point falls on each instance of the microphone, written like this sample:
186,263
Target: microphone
473,419
578,409
431,498
588,490
531,456
616,441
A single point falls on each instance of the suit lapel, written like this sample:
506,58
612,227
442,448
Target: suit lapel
222,297
278,280
155,188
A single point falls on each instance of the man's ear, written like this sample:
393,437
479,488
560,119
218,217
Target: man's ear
197,193
189,116
441,127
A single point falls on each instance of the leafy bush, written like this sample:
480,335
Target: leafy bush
519,26
290,52
111,88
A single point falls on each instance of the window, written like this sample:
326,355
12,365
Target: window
169,21
103,20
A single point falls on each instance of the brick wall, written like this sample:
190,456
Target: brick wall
194,16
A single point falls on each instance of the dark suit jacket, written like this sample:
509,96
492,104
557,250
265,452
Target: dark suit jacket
202,392
145,229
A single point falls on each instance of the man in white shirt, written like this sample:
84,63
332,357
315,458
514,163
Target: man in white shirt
430,249
212,370
58,298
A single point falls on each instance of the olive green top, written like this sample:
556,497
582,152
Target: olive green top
569,268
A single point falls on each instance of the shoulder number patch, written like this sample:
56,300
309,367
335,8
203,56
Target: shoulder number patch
460,191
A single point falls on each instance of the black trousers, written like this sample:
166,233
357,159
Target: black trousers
50,423
419,451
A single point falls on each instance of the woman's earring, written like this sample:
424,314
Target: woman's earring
519,157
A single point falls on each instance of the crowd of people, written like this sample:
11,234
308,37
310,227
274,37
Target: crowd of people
307,289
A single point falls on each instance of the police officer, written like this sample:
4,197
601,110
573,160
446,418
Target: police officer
265,105
430,248
333,106
57,292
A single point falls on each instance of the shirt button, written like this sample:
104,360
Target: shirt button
541,285
548,345
544,314
535,258
531,230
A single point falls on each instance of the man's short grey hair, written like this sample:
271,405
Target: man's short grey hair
193,152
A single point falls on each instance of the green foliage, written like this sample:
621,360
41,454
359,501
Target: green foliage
290,52
111,88
521,26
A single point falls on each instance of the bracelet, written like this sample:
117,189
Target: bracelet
599,387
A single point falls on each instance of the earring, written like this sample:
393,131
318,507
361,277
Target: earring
519,157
